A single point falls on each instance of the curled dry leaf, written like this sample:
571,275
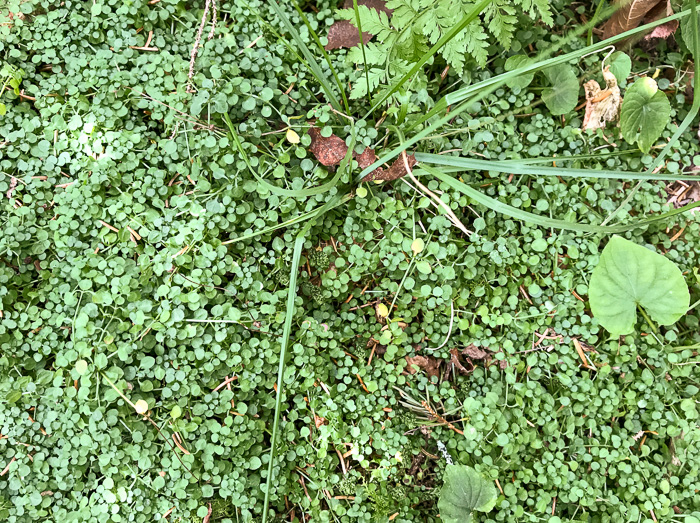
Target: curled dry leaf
602,105
474,353
661,10
428,364
628,16
456,361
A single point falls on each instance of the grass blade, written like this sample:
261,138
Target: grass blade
310,60
289,315
317,41
469,164
543,221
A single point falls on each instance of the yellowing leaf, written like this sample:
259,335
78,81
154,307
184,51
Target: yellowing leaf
417,246
382,310
292,136
141,406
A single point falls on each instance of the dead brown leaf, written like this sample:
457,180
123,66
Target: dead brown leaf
602,106
475,353
455,360
344,34
428,364
330,150
394,172
379,5
661,10
628,16
318,421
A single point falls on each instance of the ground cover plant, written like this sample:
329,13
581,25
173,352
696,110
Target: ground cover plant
371,261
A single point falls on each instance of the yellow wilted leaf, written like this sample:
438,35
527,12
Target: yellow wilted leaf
382,310
417,245
292,136
141,406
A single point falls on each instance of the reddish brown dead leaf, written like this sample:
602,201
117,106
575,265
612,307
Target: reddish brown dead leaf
627,17
661,10
396,171
602,106
366,159
379,5
318,421
430,365
329,151
343,34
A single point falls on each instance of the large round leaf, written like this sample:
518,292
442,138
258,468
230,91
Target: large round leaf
644,114
629,275
463,492
562,96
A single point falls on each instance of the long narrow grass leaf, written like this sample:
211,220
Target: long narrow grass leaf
469,164
327,58
311,61
543,221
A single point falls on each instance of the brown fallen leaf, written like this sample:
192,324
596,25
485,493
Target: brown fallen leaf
628,16
344,34
394,172
602,106
366,159
379,5
475,353
455,360
330,151
428,364
663,31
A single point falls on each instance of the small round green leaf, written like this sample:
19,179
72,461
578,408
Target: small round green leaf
644,114
629,275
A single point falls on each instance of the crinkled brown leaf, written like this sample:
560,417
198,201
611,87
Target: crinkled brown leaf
662,10
366,159
628,16
602,106
396,171
329,151
428,364
343,34
379,5
475,353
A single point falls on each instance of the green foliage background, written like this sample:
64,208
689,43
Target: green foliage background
113,136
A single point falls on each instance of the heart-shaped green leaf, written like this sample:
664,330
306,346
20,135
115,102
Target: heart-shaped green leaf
513,63
629,275
562,96
644,114
620,66
463,492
